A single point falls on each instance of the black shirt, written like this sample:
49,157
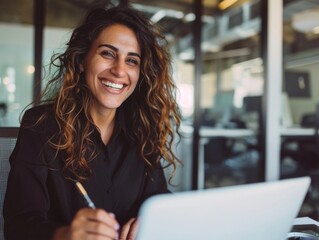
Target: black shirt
39,198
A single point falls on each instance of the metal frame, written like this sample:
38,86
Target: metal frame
273,63
39,22
197,31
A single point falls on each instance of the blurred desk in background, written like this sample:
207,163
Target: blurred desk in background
297,131
210,132
207,132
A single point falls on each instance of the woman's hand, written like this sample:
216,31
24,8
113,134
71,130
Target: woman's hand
93,224
129,230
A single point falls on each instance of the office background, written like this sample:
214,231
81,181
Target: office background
247,73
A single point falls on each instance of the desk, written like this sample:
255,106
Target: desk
210,132
292,134
207,133
297,131
299,151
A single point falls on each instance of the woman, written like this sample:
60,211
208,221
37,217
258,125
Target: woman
108,120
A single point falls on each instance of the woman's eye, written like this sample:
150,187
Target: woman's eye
107,54
132,61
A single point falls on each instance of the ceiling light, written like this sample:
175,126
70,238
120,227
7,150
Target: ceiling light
226,4
306,21
30,69
158,16
189,17
315,30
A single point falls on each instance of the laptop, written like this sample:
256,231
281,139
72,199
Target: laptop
257,211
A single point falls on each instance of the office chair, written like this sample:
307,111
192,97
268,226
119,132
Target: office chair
8,137
305,150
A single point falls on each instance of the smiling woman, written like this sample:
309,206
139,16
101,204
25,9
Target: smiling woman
107,119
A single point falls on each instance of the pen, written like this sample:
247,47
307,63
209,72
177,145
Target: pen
85,195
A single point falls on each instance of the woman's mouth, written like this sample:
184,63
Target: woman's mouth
117,86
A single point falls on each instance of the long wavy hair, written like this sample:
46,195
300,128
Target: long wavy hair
152,107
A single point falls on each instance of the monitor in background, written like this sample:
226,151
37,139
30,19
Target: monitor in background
252,104
224,99
297,84
223,103
252,111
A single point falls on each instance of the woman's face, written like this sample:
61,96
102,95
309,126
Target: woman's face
112,66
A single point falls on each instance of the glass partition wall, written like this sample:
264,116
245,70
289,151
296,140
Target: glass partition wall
60,19
230,71
232,85
300,97
16,61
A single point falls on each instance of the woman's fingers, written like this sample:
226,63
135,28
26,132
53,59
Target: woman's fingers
101,216
94,222
129,230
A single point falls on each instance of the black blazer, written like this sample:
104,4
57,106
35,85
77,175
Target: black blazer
39,198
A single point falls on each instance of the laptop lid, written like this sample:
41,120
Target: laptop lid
263,211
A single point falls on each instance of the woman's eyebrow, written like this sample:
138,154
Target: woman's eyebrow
116,49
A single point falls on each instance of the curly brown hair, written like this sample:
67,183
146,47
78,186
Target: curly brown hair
152,107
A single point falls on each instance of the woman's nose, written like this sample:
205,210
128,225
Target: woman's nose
118,68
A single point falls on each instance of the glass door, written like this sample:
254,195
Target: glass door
232,86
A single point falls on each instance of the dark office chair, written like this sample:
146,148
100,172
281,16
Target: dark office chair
8,137
307,152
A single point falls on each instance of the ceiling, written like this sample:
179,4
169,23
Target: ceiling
175,17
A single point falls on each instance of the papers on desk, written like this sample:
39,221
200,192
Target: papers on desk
306,221
304,228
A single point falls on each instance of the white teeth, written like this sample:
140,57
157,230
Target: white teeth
113,85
